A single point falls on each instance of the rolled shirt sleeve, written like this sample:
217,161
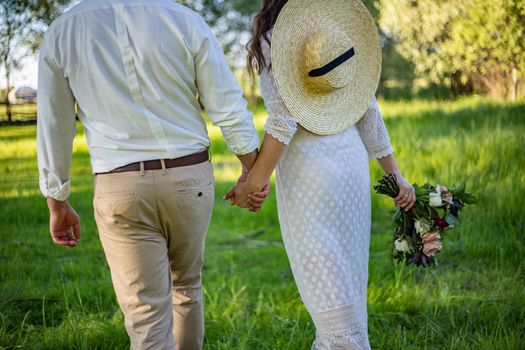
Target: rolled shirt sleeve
222,97
55,127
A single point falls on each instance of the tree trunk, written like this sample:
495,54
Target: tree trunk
5,58
514,84
8,109
496,84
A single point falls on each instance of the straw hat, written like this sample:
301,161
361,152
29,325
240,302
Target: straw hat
326,60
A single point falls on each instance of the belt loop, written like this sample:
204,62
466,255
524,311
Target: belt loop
209,153
142,172
163,163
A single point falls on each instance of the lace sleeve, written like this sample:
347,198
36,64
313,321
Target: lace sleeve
373,132
280,123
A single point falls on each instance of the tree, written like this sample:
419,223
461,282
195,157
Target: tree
22,24
462,44
419,28
488,45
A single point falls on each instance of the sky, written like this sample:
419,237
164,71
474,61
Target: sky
27,76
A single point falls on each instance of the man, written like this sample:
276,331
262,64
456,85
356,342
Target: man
136,70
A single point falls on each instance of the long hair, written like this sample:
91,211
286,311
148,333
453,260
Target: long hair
262,23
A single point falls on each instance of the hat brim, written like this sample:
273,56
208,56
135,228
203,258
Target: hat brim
336,111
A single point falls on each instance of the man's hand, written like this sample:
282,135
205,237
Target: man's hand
64,223
253,201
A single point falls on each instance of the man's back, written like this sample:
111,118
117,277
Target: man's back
135,69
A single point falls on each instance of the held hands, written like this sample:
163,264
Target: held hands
247,194
64,223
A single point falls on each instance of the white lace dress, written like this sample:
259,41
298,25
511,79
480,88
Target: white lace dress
323,200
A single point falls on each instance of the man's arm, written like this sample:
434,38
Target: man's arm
224,103
248,160
221,96
55,133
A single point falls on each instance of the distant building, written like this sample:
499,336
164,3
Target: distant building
21,95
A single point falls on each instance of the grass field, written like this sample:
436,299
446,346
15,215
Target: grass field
21,113
56,298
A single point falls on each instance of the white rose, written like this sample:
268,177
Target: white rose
435,199
401,245
422,226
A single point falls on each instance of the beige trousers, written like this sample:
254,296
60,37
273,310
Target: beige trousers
152,225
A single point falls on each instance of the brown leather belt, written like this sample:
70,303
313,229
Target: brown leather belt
191,159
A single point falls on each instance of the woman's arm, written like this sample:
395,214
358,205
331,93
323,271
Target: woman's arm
279,129
406,197
271,151
372,130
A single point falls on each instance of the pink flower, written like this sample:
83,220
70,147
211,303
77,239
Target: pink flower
442,188
446,195
431,243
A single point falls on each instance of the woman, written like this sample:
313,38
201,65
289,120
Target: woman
323,181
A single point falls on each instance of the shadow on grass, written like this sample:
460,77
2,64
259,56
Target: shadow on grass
18,122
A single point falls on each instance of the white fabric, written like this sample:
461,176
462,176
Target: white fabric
280,124
323,201
373,132
135,69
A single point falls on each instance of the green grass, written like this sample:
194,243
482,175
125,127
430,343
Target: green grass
56,298
21,113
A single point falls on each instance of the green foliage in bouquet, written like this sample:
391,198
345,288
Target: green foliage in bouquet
417,232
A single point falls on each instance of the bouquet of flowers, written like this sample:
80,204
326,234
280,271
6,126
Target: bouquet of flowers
417,235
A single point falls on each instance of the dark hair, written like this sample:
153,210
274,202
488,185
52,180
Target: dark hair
262,23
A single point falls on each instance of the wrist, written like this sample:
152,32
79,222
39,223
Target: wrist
396,173
256,182
248,160
393,170
54,204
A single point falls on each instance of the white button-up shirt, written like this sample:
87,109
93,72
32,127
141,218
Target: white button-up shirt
136,70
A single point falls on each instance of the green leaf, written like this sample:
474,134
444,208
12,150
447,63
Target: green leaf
468,198
458,190
397,217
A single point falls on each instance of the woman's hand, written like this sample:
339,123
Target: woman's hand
247,195
240,195
256,199
252,190
406,197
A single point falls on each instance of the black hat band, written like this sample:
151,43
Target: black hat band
332,65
